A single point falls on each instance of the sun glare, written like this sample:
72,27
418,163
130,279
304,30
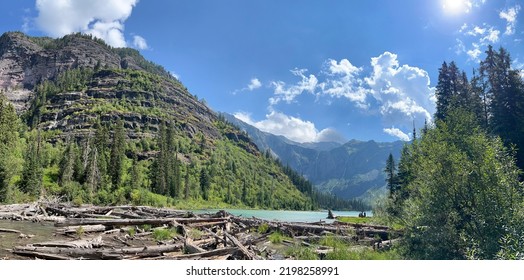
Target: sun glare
455,6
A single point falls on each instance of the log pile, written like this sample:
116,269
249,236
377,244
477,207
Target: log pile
141,232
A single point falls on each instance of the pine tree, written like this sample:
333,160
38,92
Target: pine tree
9,138
67,164
391,175
204,183
186,184
117,155
32,174
443,92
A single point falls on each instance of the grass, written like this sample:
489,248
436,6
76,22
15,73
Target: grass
263,228
195,233
341,250
361,253
162,234
276,237
301,253
356,220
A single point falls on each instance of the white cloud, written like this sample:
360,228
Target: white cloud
139,42
463,27
101,18
343,81
477,30
395,132
292,128
174,75
282,92
492,36
401,94
254,84
510,15
459,47
474,53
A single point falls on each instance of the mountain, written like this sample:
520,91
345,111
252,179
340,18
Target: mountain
350,170
104,125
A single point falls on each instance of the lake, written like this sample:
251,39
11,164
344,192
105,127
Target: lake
285,215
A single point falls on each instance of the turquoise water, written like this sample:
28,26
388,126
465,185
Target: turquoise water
284,215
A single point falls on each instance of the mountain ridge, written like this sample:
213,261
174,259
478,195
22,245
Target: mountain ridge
350,170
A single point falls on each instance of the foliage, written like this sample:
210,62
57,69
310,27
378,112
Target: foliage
263,228
276,237
463,194
162,234
299,252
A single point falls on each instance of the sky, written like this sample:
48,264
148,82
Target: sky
309,70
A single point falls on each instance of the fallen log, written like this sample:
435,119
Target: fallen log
191,248
113,222
207,254
82,229
43,256
10,230
129,222
249,255
83,243
99,254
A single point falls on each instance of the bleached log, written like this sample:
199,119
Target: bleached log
248,254
100,254
10,230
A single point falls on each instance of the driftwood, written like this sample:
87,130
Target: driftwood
128,222
249,255
82,229
142,232
91,253
90,243
207,254
10,230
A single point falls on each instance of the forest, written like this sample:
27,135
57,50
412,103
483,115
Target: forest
457,189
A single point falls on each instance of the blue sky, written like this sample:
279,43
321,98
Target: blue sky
309,70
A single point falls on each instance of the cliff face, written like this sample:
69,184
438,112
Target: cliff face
121,84
25,61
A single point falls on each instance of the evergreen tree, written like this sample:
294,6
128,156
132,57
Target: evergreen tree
391,175
118,147
462,193
67,164
32,174
186,184
101,143
205,183
9,138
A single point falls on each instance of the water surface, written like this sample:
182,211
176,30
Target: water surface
285,215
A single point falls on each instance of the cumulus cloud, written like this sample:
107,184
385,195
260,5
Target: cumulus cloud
491,37
477,30
484,36
254,84
283,92
139,42
474,53
293,128
510,15
395,132
101,18
343,81
401,94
